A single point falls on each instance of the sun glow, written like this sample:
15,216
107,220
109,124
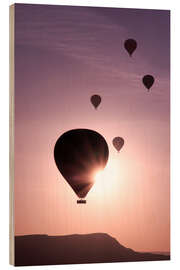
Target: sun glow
107,181
111,171
98,175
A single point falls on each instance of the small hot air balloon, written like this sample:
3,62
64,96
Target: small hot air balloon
148,81
118,143
95,100
130,46
79,154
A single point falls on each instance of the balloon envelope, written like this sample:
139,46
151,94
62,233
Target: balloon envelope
130,46
148,81
118,143
78,154
95,100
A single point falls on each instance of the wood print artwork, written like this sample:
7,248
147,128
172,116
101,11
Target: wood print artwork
89,139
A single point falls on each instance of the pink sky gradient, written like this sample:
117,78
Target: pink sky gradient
64,55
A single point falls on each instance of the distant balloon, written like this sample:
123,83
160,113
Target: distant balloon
79,154
130,46
148,81
95,100
118,143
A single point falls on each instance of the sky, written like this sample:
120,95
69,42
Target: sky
64,55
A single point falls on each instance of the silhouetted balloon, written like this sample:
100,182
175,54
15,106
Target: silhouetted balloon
130,46
95,100
118,143
148,81
79,154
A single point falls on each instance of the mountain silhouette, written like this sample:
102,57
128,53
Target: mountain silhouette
75,249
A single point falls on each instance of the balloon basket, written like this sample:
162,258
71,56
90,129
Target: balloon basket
81,201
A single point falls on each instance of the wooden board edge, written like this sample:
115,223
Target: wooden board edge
11,132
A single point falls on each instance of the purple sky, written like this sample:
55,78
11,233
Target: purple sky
63,56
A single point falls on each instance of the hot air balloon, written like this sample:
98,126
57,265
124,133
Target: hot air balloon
118,143
79,154
130,46
95,100
148,81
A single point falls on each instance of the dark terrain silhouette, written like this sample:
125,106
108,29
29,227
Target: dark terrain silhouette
75,249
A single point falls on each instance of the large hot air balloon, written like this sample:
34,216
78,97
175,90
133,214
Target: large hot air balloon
148,81
118,143
130,46
79,154
95,100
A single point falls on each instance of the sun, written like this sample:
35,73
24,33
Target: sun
111,171
98,175
107,182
